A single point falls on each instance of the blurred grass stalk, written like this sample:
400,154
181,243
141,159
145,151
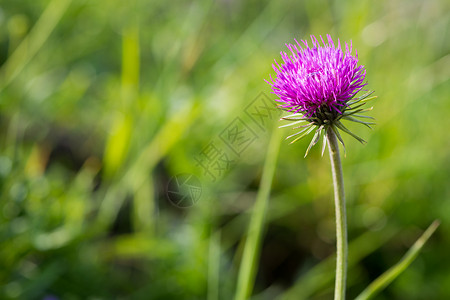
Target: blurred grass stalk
387,277
136,177
117,146
33,41
214,266
321,276
250,255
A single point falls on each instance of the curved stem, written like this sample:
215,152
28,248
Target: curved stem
341,218
387,277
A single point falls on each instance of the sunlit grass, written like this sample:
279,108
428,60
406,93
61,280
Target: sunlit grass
102,102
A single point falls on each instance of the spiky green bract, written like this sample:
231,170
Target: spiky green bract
323,119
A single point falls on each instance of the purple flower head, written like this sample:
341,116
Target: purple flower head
318,77
318,84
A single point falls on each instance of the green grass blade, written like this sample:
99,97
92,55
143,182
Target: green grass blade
387,277
214,266
250,255
117,145
137,175
33,41
321,276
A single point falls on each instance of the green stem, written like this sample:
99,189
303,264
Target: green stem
341,219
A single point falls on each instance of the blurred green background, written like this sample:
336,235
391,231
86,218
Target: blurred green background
103,102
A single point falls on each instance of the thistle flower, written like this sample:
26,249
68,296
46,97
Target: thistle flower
319,85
